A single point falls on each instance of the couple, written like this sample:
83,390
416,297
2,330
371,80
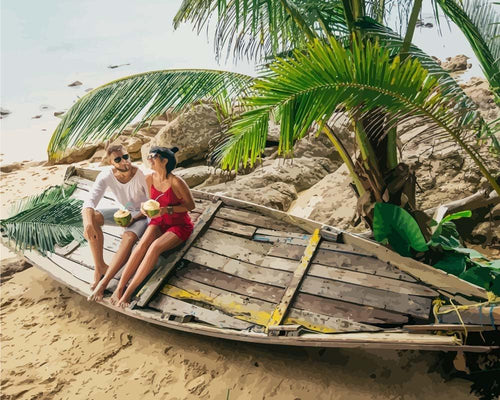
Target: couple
131,188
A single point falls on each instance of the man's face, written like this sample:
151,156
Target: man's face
120,160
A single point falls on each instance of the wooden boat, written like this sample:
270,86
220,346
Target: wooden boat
255,274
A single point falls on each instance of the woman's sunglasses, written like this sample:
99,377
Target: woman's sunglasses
118,159
153,155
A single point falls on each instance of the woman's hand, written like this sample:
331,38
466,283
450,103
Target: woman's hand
143,212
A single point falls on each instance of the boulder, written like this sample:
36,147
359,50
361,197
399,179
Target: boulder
194,176
191,132
454,64
330,201
14,166
478,89
276,182
74,155
133,144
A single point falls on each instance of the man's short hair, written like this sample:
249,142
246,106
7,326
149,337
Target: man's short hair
115,147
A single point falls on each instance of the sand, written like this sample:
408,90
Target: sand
57,345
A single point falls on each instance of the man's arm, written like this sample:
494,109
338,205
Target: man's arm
90,204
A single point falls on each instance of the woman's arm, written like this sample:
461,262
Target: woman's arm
182,191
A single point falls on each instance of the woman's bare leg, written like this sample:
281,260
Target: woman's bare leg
152,233
166,242
119,259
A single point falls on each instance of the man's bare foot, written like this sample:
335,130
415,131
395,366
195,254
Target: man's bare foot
124,302
98,292
99,272
117,294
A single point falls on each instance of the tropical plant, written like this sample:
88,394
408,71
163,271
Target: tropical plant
45,220
325,57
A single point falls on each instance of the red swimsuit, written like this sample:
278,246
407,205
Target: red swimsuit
178,223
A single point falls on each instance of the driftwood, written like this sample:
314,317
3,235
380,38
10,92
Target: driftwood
475,201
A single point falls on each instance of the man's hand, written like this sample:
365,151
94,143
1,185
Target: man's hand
90,232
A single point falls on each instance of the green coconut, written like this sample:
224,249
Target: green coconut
152,208
122,217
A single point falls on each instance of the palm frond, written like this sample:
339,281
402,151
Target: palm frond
259,29
45,220
480,23
104,112
50,195
313,85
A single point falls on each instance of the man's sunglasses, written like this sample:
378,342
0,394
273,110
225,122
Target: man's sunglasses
118,159
153,155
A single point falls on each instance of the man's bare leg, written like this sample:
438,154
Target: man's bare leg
97,248
166,242
119,259
152,232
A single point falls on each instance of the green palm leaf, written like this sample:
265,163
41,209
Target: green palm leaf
480,24
45,220
310,87
104,112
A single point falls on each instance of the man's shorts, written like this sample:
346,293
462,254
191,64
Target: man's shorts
138,227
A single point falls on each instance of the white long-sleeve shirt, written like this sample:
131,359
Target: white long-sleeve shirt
130,195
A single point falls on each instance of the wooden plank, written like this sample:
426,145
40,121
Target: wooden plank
173,306
234,228
343,248
406,304
280,311
282,264
238,268
251,309
231,283
448,327
372,281
154,283
349,311
283,240
253,218
485,315
425,273
272,232
230,246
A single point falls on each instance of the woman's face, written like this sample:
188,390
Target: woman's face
120,160
157,163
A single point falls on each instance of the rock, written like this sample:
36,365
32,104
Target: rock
429,25
133,144
36,117
45,107
11,266
486,233
75,83
14,166
478,89
4,112
330,201
454,64
117,66
88,90
191,132
194,176
74,155
98,156
276,182
58,113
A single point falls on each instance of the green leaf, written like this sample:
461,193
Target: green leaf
446,235
473,254
394,225
457,215
486,277
453,263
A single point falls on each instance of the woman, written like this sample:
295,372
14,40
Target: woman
171,228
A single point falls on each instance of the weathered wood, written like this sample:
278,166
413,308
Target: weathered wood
486,315
238,268
282,264
348,311
425,273
281,309
230,246
343,248
231,283
65,250
272,232
341,260
406,304
154,283
173,306
253,218
448,327
282,240
372,281
311,340
234,228
254,310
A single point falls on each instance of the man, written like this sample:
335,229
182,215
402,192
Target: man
128,184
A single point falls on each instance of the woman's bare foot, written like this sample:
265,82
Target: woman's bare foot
116,297
99,272
98,292
124,302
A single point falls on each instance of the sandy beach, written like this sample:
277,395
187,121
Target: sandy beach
57,345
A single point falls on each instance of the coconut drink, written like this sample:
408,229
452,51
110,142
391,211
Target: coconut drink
122,217
152,208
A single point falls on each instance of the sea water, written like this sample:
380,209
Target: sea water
47,45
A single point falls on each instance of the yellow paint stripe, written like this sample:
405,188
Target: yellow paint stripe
280,311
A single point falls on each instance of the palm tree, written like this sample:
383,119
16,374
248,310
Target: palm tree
322,58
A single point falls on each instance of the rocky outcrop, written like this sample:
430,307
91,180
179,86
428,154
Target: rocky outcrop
276,182
191,132
478,89
75,155
195,176
455,64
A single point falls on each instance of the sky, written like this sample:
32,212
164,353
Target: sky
46,45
